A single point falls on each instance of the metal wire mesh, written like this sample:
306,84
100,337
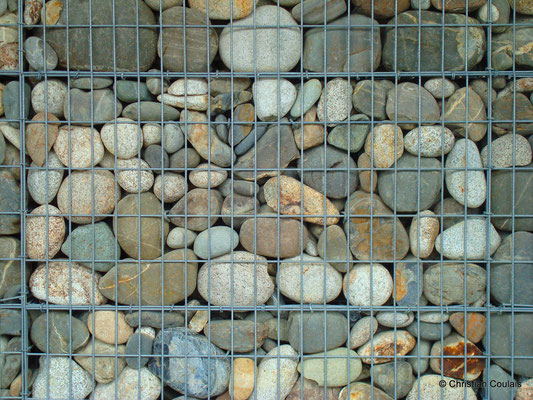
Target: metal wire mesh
222,241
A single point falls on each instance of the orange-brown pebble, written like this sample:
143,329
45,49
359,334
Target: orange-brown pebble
475,325
105,323
242,384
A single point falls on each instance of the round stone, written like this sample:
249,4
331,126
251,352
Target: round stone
197,202
355,133
468,187
43,183
370,97
11,101
384,145
34,51
104,367
61,332
132,91
94,242
221,332
335,102
141,384
411,102
455,109
393,319
247,49
151,134
207,176
276,375
50,94
45,232
306,279
134,175
76,194
334,371
177,238
109,327
215,241
224,9
153,230
362,331
170,187
129,138
273,98
225,280
311,325
457,346
507,151
475,325
434,141
78,146
440,88
395,378
66,283
421,365
156,158
414,184
367,285
90,84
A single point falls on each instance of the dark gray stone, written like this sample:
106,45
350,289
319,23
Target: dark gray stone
503,45
97,106
220,333
9,203
12,362
249,141
338,136
503,185
514,107
199,375
405,57
155,319
10,270
132,348
406,101
132,91
395,379
312,324
330,159
221,127
185,157
507,329
314,11
427,180
371,103
429,331
34,53
11,102
455,211
63,333
109,45
156,158
10,322
150,111
499,384
91,83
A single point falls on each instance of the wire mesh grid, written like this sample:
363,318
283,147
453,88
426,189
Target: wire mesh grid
266,200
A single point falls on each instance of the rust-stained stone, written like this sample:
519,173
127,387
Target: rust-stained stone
458,6
363,391
199,202
220,333
32,10
383,345
475,325
175,288
291,201
383,226
36,137
311,391
51,12
382,8
454,345
266,237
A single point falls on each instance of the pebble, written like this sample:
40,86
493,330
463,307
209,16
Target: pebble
244,49
502,386
205,377
440,88
292,195
307,279
150,111
41,136
427,387
151,134
170,187
332,245
362,331
197,202
173,138
45,232
334,371
367,285
429,331
368,177
273,99
386,344
434,141
408,282
339,136
34,51
227,85
507,151
155,319
451,243
59,331
10,270
138,343
156,158
157,84
176,238
384,145
421,365
147,244
396,378
9,203
133,175
392,319
142,384
335,102
475,325
361,391
224,9
11,102
434,317
123,283
132,91
223,283
312,326
453,283
104,367
215,241
12,362
88,107
308,95
276,375
454,345
370,98
109,327
78,146
310,390
266,241
236,209
243,118
455,110
61,378
236,335
43,184
314,12
90,84
468,187
129,138
205,176
403,105
49,96
242,380
423,243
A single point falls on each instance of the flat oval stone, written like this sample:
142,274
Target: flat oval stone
413,189
333,46
237,208
78,146
355,133
215,241
9,203
367,285
457,5
322,163
307,279
221,332
154,319
453,278
86,107
423,243
52,93
134,175
308,94
273,98
429,331
206,377
392,319
11,102
455,109
268,386
242,380
35,54
384,145
507,151
387,344
266,237
197,202
60,331
171,40
41,136
109,326
475,325
362,331
10,270
370,97
332,245
411,102
138,341
395,378
440,87
456,56
466,187
104,367
335,102
120,50
129,138
382,8
153,230
45,232
422,347
178,236
334,371
207,176
224,9
169,187
226,280
311,326
247,49
150,111
132,91
65,283
312,12
434,141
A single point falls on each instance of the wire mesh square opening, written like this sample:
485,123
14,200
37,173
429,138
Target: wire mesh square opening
219,199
